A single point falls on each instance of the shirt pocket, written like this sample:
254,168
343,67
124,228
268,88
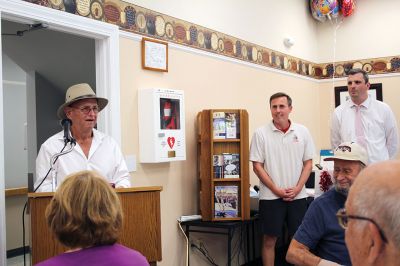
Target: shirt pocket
376,129
295,143
347,130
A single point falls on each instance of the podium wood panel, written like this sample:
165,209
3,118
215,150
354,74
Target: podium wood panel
141,227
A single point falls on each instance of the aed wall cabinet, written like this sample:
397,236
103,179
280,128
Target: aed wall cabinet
161,125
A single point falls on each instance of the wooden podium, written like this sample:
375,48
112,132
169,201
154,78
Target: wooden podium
141,227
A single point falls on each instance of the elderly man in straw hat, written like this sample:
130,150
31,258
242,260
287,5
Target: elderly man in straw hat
93,151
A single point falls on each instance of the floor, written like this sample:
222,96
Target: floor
19,261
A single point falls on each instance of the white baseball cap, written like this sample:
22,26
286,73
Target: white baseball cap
349,151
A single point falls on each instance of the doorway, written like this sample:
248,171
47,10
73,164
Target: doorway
38,64
104,38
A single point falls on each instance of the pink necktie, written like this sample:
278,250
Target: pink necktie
359,128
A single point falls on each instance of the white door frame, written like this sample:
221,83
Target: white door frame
107,72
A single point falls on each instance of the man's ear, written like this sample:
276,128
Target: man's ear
376,244
67,111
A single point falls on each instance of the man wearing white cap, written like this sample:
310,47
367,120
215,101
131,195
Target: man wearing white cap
320,232
93,151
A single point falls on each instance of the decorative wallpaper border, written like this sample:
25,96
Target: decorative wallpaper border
149,23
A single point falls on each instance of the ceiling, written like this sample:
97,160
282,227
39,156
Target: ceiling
63,59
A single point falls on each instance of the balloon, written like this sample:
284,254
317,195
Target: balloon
348,7
335,10
320,9
315,11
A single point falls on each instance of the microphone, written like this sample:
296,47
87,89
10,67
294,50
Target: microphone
66,124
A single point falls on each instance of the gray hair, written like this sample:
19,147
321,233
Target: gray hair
370,199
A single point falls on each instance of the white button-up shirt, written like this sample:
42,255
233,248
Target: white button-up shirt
379,125
105,157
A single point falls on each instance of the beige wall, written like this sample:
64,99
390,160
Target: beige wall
213,83
370,32
263,22
14,206
208,83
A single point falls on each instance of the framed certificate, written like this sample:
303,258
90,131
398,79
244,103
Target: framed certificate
342,94
154,55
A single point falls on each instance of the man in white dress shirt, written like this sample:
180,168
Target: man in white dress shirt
93,151
369,122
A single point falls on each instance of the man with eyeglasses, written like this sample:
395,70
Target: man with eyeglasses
320,239
93,151
372,216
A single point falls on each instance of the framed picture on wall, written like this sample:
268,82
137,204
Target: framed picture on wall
154,55
342,94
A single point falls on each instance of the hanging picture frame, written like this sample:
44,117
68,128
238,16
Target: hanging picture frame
342,93
154,55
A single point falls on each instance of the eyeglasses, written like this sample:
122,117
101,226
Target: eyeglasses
343,220
86,109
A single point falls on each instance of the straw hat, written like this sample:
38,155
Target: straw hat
79,92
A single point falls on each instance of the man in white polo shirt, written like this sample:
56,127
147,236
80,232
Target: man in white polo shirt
281,153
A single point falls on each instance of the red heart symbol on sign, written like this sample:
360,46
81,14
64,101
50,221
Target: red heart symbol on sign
171,141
